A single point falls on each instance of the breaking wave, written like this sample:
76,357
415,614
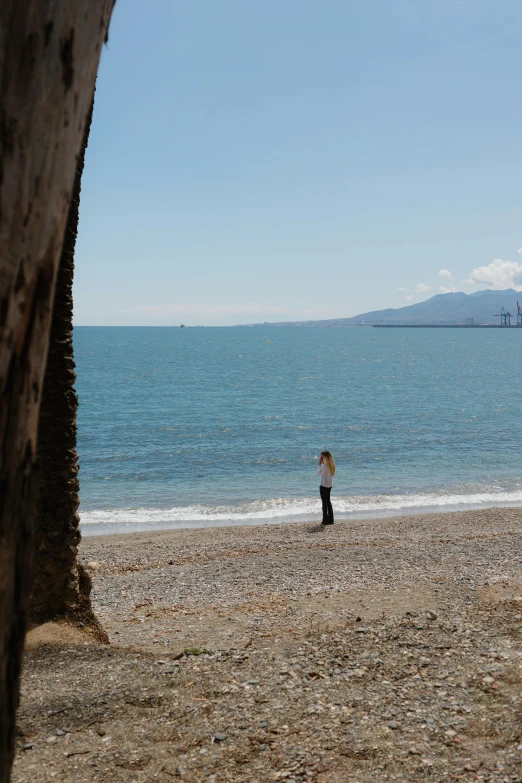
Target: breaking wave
279,510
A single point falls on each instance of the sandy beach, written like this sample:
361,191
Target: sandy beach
387,649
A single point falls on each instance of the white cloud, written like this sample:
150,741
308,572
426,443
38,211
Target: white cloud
408,298
401,289
498,275
420,288
445,290
445,273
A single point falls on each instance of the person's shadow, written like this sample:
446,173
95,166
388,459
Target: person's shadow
317,529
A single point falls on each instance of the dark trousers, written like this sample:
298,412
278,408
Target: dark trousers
327,506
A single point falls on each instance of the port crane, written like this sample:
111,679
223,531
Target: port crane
505,316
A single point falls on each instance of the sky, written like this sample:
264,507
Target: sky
300,159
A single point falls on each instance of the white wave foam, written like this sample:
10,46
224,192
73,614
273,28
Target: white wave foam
292,509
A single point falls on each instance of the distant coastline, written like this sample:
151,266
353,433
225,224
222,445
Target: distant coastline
483,309
446,326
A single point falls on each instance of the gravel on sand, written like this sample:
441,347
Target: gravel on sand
371,650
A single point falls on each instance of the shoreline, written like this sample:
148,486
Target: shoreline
104,529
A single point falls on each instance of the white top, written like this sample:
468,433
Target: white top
326,476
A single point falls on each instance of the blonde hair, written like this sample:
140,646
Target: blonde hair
329,461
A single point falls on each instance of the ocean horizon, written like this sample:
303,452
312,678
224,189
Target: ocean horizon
223,425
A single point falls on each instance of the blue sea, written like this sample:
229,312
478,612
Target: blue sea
218,426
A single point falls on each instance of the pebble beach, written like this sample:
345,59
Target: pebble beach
386,649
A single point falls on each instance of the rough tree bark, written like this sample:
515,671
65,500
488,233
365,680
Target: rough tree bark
49,54
56,589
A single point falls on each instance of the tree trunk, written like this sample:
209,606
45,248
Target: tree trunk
55,589
49,53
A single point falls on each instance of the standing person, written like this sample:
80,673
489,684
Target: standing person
327,472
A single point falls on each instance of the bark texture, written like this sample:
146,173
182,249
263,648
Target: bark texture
56,586
49,54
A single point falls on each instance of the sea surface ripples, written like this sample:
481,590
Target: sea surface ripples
196,426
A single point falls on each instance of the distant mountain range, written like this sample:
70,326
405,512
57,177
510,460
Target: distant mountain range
482,306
